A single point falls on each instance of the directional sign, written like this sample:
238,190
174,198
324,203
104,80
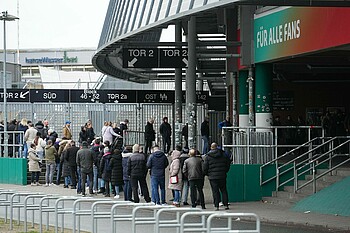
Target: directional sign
118,96
54,95
173,58
15,95
155,96
85,96
140,57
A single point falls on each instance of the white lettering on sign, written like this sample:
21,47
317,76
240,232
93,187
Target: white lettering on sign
150,96
15,95
49,95
117,96
141,53
278,34
171,52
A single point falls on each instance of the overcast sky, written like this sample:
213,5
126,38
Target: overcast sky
54,23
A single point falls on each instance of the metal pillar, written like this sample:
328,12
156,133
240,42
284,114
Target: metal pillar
178,92
251,97
191,84
6,137
243,99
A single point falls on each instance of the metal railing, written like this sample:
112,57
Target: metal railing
15,144
259,145
320,154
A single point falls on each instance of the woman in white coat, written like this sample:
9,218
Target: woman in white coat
108,133
175,170
34,166
39,145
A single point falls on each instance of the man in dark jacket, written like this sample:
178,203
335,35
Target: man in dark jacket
157,163
85,161
165,131
71,157
215,166
193,170
41,128
150,135
205,135
137,171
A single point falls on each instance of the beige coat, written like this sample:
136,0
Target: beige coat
175,170
33,161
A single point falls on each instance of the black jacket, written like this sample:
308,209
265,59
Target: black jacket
117,169
85,160
150,134
216,165
137,165
205,128
193,168
71,156
165,130
157,162
105,167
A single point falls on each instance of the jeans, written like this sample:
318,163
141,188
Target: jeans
79,180
50,169
95,171
40,154
59,173
116,190
36,175
155,183
67,180
205,144
101,183
185,189
127,190
25,150
177,196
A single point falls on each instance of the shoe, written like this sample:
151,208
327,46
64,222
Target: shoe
221,204
73,187
203,207
32,184
171,199
107,195
186,203
227,208
38,184
78,192
83,195
116,197
65,186
46,185
217,209
164,204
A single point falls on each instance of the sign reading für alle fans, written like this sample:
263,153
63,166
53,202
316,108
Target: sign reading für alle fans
155,58
95,96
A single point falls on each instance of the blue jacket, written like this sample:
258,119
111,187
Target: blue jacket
157,162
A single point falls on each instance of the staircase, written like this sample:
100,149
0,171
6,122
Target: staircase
316,168
288,197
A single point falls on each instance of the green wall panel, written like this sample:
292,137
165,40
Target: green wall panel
235,183
13,171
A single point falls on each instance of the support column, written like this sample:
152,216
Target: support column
243,99
178,92
251,97
263,94
191,107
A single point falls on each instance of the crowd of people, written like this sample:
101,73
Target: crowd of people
99,166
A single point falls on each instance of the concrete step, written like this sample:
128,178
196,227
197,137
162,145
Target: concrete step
306,190
326,178
280,201
289,195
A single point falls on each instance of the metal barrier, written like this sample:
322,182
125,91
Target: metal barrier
15,144
95,214
172,223
115,217
229,216
46,208
62,210
196,227
77,211
5,202
32,207
145,220
17,204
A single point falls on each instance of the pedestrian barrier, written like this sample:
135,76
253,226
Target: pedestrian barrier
95,214
5,201
62,210
229,216
115,217
148,220
78,211
171,223
17,204
45,207
31,207
195,226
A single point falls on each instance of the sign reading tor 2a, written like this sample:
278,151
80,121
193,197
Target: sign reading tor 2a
140,57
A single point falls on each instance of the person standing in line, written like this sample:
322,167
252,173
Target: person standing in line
29,135
193,169
205,135
34,166
108,133
216,165
90,132
157,163
40,145
50,157
175,170
126,178
123,126
83,136
165,131
117,171
184,133
66,174
85,161
23,126
71,158
105,170
150,135
137,171
96,148
185,186
67,132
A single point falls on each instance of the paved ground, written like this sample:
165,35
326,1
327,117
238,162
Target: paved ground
268,213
